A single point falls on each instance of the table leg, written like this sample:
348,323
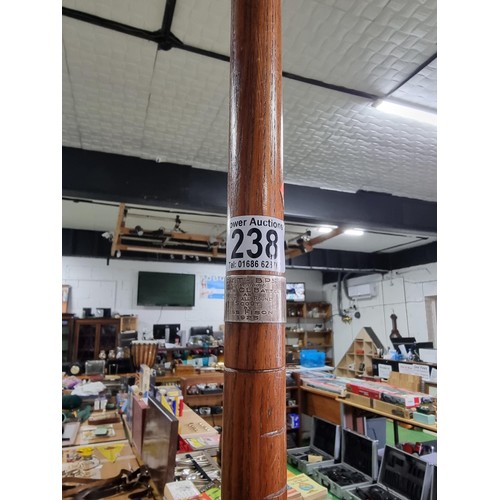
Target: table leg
396,432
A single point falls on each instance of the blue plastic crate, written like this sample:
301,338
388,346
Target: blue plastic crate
310,358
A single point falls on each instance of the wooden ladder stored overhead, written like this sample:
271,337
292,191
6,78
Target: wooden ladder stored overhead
174,242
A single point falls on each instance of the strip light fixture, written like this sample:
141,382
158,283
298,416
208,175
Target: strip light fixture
406,111
354,232
326,229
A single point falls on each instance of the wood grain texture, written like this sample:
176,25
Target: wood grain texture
324,406
254,431
254,451
254,346
255,177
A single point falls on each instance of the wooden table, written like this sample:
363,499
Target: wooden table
82,433
331,407
315,402
352,418
197,432
107,461
318,403
110,454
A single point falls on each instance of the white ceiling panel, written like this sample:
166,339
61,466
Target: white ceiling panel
123,94
188,116
71,130
145,15
203,24
341,142
110,76
365,45
374,242
420,90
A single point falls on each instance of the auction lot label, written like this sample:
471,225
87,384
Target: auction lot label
257,243
255,299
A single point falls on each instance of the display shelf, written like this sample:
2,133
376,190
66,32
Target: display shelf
357,361
292,395
308,327
320,311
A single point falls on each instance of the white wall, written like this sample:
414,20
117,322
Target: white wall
95,284
400,292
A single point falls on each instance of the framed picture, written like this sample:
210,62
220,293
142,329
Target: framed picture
65,298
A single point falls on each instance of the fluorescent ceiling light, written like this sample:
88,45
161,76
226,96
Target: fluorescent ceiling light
354,232
406,111
326,229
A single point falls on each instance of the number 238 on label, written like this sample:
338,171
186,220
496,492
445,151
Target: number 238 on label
256,242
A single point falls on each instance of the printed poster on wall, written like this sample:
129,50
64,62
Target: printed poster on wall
212,287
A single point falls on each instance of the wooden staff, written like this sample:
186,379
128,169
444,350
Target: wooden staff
254,428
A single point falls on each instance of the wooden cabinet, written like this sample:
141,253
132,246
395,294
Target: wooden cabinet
205,390
309,327
67,336
128,324
92,335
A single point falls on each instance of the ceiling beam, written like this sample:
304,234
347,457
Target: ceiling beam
92,175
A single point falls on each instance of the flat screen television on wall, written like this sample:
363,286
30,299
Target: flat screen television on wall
165,289
296,292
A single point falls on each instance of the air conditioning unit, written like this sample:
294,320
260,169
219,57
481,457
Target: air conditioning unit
366,291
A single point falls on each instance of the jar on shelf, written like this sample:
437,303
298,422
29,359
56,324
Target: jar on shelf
102,354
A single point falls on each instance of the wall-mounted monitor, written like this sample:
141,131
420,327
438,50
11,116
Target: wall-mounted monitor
166,289
295,292
202,330
168,333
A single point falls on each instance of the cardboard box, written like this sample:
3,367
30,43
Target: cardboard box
360,400
388,393
292,493
180,490
308,488
424,419
203,442
392,409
